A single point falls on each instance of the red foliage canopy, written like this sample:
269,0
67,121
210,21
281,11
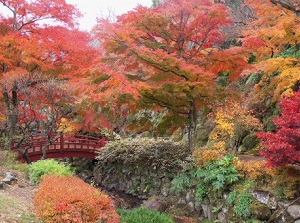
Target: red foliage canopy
283,146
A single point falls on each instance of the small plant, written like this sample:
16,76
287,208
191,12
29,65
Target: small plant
231,198
143,215
47,167
69,199
216,176
242,206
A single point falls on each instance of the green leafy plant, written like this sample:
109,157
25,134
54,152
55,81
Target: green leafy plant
217,176
242,206
144,215
180,182
231,198
47,167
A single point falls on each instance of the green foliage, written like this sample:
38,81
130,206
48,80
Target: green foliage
219,174
180,182
290,52
143,215
162,154
231,198
216,176
47,167
242,206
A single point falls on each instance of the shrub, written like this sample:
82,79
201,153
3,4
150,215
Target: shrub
47,167
203,156
216,176
139,215
69,199
162,154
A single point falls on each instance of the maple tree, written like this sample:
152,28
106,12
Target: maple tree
42,106
171,54
283,146
38,38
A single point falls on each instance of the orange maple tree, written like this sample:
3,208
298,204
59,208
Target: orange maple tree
172,54
38,37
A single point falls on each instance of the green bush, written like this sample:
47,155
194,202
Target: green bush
143,215
216,176
47,167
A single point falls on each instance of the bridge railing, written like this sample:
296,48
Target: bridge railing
63,143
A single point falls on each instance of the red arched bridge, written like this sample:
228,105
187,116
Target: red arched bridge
63,147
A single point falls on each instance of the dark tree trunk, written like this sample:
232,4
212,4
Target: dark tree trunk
192,129
12,113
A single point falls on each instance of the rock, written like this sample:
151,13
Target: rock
85,175
156,203
281,216
294,211
212,216
260,212
297,221
272,204
222,217
191,207
205,209
1,184
189,197
9,177
261,196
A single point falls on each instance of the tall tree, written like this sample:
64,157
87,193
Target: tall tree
37,37
173,50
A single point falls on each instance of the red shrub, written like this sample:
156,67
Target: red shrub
69,199
283,146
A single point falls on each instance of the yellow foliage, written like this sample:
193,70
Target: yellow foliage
280,76
229,120
203,156
254,169
66,126
287,178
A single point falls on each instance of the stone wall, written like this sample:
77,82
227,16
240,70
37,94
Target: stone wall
152,181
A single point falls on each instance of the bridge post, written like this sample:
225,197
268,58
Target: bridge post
61,141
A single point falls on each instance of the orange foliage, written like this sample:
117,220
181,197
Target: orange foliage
69,199
203,156
253,169
274,25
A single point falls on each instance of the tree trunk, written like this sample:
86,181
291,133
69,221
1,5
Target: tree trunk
192,129
12,113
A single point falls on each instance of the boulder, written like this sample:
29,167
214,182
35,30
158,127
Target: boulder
260,212
9,177
261,196
156,203
281,216
294,211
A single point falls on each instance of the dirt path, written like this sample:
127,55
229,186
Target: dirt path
16,200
